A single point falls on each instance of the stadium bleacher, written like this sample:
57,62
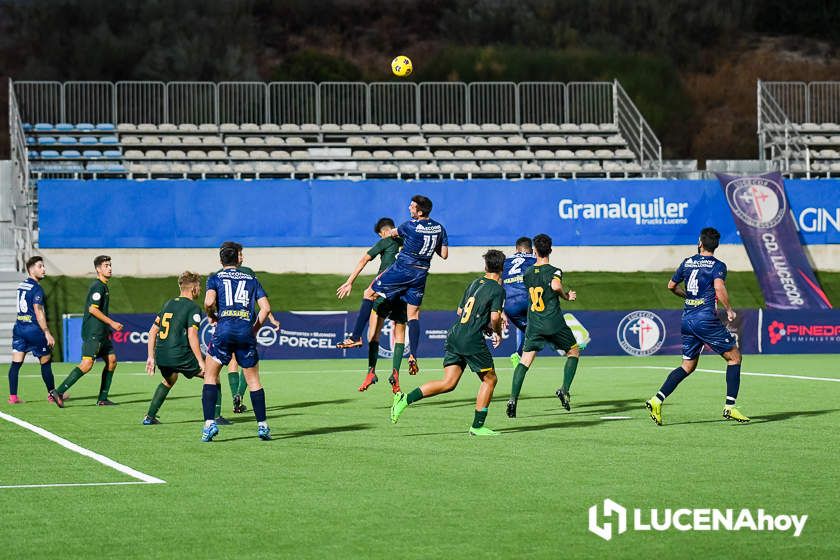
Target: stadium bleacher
406,150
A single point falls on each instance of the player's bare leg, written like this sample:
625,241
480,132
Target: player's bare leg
236,380
252,377
733,384
351,341
451,377
518,379
413,327
399,346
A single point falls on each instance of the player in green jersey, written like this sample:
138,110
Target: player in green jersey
236,377
480,311
173,342
96,326
545,323
396,310
386,249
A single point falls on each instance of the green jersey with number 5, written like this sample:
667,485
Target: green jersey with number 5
172,347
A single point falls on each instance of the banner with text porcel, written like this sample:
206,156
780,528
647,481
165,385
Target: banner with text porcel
762,216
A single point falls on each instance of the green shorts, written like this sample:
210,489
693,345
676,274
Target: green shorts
395,310
189,371
480,362
562,339
95,347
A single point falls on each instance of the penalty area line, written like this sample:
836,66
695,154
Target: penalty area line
70,484
108,462
753,373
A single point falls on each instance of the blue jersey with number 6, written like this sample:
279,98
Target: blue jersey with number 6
421,238
236,295
699,273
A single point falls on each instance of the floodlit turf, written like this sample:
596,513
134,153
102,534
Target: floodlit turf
340,481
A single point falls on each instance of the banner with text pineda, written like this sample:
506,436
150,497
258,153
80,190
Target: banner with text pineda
762,216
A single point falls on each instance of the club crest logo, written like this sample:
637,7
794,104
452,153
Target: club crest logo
205,334
641,333
758,201
386,341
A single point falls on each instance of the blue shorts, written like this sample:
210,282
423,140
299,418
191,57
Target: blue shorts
704,330
517,313
224,345
33,342
405,282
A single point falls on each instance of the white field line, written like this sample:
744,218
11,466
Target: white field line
753,373
70,484
142,477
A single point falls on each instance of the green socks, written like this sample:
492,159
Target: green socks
157,400
74,376
396,360
518,380
242,384
480,417
105,385
233,381
569,372
218,400
414,396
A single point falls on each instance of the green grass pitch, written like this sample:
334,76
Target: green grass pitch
339,481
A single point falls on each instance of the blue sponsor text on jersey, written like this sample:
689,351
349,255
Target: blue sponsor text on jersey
699,272
236,294
514,267
29,294
421,239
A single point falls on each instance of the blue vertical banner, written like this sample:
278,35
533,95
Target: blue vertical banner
763,218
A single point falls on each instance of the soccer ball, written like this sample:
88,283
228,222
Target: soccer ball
401,66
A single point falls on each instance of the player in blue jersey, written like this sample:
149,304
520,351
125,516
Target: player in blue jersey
705,284
31,333
232,295
406,278
516,294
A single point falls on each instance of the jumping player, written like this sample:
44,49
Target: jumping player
480,311
516,294
406,278
396,311
705,284
386,249
31,333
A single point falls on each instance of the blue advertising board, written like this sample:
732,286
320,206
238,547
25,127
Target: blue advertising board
341,213
313,335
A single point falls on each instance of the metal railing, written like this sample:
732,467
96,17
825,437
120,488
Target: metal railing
636,131
816,102
18,233
778,138
327,102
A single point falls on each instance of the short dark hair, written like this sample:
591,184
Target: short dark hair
710,239
229,253
424,204
32,261
524,243
494,260
100,259
542,243
383,223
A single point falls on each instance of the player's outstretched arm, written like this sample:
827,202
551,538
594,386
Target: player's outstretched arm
344,290
443,251
96,312
676,289
41,317
195,346
150,348
265,311
496,327
210,305
557,286
723,298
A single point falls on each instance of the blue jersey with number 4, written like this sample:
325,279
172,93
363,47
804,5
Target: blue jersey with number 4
421,238
236,295
699,273
515,266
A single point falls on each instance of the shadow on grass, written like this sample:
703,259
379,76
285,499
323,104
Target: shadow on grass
307,404
305,433
552,426
146,400
777,417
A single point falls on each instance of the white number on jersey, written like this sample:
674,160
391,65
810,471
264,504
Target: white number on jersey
517,264
429,244
692,286
240,296
22,305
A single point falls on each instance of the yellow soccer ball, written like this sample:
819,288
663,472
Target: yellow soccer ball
401,66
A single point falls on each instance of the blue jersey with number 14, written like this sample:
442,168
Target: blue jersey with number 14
699,273
515,265
236,295
421,238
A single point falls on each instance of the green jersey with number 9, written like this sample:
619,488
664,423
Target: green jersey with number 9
482,297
